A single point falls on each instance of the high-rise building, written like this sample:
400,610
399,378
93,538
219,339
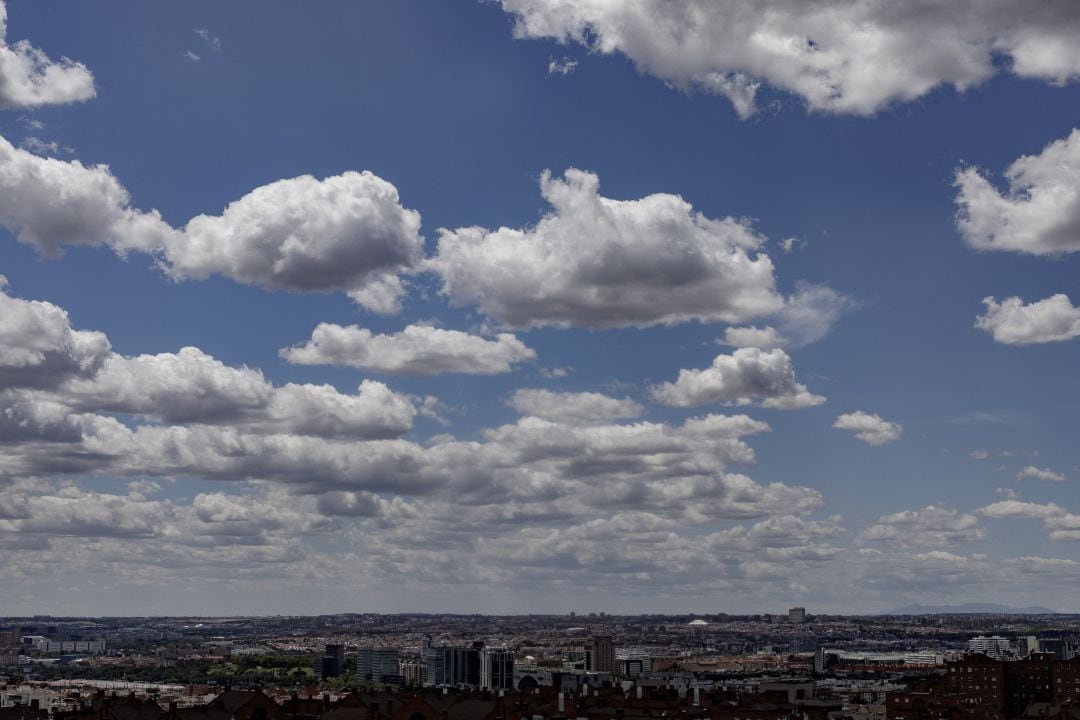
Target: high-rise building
992,647
332,663
1061,649
600,654
434,667
796,615
376,664
496,669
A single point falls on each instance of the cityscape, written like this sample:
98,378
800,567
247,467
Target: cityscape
540,360
774,666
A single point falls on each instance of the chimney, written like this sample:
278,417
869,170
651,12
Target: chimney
639,689
562,703
697,696
35,704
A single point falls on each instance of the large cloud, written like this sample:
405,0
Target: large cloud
928,526
348,232
193,387
28,78
1039,215
808,315
580,407
1013,323
871,429
39,348
50,203
838,56
1061,524
749,375
416,350
599,263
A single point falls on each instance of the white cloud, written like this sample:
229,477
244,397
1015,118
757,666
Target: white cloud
1059,522
1040,214
871,429
811,312
928,526
765,338
562,67
348,232
1011,322
39,348
43,147
50,203
1033,473
838,56
209,38
193,57
28,78
979,454
598,263
1020,509
808,315
416,350
746,376
573,408
193,387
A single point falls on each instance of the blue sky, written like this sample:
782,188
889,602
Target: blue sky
865,224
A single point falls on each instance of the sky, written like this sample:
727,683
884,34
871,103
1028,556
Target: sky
530,306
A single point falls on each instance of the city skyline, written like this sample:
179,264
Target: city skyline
532,306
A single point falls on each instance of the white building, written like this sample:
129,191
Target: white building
995,647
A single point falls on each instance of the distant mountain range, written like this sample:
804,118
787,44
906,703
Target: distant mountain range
972,608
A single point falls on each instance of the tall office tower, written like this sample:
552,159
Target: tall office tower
461,666
600,654
1062,649
796,615
496,669
425,645
434,667
373,664
333,664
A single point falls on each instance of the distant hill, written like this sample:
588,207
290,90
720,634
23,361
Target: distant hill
972,608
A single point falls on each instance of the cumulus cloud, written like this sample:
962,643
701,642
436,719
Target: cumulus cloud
747,376
75,373
1033,473
574,408
345,233
598,262
1011,322
765,338
40,349
1040,213
416,350
929,526
871,429
808,315
837,56
1059,522
193,387
50,203
29,78
1021,509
